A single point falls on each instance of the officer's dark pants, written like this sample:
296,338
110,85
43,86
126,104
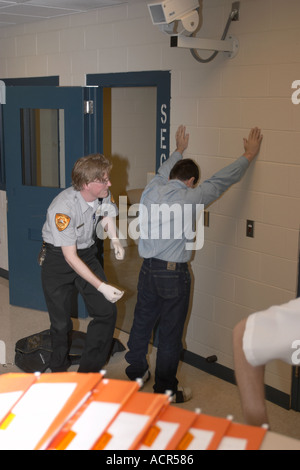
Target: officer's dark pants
58,280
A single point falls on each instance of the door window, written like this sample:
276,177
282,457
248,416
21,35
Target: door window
43,153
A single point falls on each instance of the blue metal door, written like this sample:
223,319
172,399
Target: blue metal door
28,196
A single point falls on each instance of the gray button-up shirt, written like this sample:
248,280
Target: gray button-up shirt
175,194
72,221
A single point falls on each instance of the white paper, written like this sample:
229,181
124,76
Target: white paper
91,424
125,428
33,415
201,439
7,401
233,443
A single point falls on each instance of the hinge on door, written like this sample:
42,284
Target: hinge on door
89,107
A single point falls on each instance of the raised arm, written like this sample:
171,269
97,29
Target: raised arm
213,187
182,141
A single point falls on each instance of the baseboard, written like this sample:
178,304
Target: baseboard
272,394
4,273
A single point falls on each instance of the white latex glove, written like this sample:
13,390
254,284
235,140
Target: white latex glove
111,293
119,250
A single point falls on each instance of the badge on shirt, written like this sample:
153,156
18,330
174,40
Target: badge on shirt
62,221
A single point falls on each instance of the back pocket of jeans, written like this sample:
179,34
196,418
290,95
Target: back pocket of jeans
167,286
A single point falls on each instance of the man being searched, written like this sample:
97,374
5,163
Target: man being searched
71,261
164,280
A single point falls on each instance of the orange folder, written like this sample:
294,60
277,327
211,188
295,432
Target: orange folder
242,437
44,408
84,429
12,388
132,422
169,429
205,434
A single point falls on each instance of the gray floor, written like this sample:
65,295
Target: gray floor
212,395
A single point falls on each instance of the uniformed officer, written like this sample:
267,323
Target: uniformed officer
71,261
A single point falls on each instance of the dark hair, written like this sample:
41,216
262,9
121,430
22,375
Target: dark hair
184,170
90,168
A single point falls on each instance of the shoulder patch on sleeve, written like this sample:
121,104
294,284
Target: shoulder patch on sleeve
62,221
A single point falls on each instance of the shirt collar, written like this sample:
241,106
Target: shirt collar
84,205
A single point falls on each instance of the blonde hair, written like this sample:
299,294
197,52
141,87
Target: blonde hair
94,167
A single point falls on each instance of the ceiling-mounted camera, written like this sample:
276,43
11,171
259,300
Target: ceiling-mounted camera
165,13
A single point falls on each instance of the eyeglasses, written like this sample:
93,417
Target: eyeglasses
104,181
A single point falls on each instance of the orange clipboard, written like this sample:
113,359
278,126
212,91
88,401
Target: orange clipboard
242,437
132,422
44,408
168,429
205,434
93,418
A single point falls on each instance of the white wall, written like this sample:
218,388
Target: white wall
133,137
218,102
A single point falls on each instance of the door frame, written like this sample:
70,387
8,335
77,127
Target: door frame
159,79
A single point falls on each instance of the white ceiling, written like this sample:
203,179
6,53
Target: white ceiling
27,11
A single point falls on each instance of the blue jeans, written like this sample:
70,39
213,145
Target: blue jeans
163,294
